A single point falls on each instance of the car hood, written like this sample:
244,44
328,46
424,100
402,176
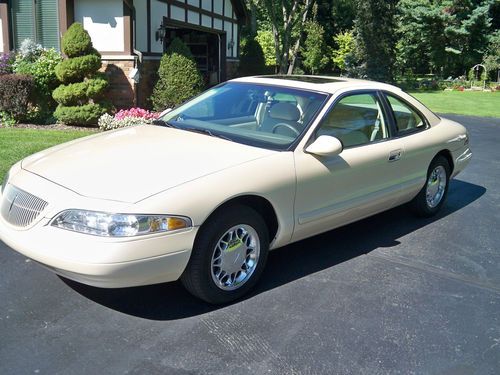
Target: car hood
131,164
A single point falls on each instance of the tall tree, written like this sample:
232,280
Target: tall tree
286,18
375,28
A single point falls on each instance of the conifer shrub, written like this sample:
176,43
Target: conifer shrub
80,96
178,77
252,59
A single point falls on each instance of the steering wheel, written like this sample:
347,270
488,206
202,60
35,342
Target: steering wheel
287,126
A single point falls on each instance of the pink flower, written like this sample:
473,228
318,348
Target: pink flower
135,112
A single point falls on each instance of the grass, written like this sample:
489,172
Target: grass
16,144
471,103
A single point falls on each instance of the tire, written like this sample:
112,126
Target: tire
233,238
437,175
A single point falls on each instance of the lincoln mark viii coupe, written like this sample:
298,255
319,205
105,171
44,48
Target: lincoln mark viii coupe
203,194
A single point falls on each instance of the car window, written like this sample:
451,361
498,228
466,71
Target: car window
356,120
407,119
260,115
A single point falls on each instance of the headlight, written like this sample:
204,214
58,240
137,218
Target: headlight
118,225
5,180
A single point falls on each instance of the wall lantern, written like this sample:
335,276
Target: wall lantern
160,33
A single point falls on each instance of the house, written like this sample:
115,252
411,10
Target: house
132,35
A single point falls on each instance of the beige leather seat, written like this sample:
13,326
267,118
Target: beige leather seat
282,113
346,125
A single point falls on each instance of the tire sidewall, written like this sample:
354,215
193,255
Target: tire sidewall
438,161
205,244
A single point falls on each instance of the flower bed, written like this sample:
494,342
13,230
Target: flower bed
127,117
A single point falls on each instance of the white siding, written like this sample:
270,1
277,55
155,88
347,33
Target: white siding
218,6
207,5
206,21
177,13
193,17
141,25
235,38
103,19
158,11
217,23
228,9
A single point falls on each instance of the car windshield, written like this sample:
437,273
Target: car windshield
259,115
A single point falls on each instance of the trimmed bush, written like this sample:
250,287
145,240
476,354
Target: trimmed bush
179,78
77,68
16,92
80,95
86,114
76,41
73,93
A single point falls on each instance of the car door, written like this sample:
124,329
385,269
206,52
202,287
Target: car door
411,127
362,180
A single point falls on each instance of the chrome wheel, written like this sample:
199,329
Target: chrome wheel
235,257
436,186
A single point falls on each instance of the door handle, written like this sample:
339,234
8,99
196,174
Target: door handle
395,155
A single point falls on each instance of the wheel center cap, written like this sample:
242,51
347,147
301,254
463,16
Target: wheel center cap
232,257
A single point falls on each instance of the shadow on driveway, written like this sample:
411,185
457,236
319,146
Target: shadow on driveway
170,301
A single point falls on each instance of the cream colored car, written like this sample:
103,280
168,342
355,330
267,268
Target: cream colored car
250,165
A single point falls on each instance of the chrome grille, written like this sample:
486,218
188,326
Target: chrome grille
20,208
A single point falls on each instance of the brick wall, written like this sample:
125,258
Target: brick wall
121,91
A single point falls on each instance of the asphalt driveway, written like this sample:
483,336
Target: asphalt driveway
390,294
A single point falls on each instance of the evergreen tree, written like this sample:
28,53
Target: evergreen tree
80,95
375,29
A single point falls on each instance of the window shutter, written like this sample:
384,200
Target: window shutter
22,21
47,23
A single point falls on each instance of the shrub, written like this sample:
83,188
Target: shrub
127,117
6,61
77,68
179,78
73,93
16,91
6,120
29,50
42,69
252,61
86,114
80,95
76,41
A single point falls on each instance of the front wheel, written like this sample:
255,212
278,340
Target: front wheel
228,256
433,195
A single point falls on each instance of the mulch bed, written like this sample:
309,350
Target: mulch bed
56,127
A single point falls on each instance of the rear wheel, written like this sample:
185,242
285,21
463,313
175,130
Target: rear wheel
433,195
228,256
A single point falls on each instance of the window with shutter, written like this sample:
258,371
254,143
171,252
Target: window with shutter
37,20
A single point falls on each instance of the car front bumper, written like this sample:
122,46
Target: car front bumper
103,262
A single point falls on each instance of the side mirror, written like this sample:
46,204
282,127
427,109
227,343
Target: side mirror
325,145
165,112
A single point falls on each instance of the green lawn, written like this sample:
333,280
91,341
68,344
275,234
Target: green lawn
16,144
472,103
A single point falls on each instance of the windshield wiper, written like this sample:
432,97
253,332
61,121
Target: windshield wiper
206,132
164,123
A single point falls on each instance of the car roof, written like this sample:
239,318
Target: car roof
317,83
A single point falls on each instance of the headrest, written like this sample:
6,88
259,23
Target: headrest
284,111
